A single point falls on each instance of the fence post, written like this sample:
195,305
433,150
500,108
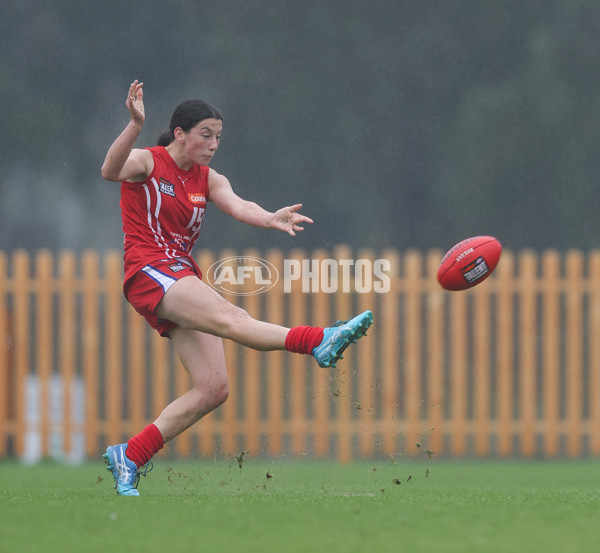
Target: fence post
22,304
459,345
113,347
574,353
389,333
137,359
505,353
5,360
366,405
482,368
91,291
594,348
551,349
67,342
435,402
527,357
412,328
43,287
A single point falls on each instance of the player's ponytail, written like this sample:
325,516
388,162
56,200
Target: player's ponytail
165,138
187,115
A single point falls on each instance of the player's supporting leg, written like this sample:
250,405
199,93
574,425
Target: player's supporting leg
203,357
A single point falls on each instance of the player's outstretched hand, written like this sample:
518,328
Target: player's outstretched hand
287,219
135,102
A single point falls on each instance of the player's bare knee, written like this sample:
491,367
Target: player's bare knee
214,396
220,394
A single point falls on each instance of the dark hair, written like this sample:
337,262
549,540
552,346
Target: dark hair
187,115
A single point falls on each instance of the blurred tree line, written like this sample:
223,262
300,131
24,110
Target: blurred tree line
395,123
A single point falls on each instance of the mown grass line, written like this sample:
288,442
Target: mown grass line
433,506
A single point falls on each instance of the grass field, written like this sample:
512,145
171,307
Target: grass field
435,506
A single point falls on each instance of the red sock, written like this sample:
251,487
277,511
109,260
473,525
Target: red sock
303,339
141,448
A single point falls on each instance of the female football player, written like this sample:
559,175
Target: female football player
165,191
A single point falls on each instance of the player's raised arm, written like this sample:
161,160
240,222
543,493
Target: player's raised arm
122,162
286,219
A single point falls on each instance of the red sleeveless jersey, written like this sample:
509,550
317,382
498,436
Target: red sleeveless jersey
162,215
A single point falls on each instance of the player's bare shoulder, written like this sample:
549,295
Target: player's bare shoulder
139,165
217,183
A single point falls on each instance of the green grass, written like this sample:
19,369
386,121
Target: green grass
305,507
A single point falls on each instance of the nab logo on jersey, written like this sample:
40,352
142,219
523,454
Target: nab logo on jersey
167,188
197,199
176,267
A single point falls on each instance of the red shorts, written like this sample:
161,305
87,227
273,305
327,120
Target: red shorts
146,288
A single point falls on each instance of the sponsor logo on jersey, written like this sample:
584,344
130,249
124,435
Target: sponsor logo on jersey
176,267
196,198
167,188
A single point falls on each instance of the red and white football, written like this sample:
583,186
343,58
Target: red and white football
469,262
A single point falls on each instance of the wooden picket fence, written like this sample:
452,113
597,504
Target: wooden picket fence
509,368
